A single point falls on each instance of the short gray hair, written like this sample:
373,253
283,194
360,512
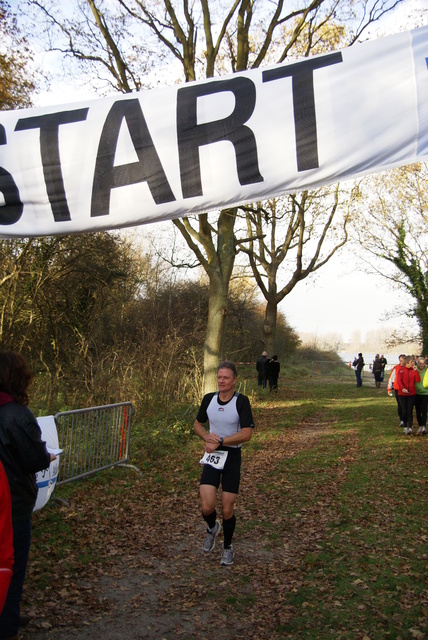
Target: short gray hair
228,364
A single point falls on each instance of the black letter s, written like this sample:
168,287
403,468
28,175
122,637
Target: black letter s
12,209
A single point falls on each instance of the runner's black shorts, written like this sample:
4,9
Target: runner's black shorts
230,476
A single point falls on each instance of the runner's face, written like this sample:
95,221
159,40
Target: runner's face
226,380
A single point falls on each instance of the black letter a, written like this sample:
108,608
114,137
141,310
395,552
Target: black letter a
147,169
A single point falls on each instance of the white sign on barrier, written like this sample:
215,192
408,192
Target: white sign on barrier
46,479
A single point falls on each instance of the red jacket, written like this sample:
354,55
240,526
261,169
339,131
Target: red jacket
392,380
6,537
406,379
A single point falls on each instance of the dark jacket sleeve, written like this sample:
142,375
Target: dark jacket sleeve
23,453
33,454
21,439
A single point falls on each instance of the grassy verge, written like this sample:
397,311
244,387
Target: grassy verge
367,577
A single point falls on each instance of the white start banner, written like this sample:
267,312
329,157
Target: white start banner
161,154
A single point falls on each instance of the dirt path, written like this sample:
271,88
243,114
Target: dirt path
159,584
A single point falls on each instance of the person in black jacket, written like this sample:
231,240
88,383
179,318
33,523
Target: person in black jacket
383,362
273,368
261,366
22,453
377,371
358,365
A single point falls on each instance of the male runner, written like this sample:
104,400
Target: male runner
230,424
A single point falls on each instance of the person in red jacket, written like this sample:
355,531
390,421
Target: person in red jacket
6,537
406,378
392,385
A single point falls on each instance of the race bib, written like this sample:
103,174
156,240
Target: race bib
216,459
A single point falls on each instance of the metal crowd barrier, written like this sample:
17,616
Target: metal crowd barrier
93,439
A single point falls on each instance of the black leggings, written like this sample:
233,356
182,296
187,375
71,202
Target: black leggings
399,409
407,403
421,406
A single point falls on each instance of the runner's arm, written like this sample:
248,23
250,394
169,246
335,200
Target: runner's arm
239,437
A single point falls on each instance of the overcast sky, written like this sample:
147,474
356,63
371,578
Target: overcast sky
342,299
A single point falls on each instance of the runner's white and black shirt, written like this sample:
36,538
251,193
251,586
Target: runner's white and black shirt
226,418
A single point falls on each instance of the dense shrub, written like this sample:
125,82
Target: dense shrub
101,322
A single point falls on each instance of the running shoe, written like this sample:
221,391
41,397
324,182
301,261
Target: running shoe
424,431
406,431
209,541
409,431
227,556
420,431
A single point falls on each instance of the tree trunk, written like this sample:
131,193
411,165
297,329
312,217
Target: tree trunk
219,269
424,336
421,314
269,328
216,325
